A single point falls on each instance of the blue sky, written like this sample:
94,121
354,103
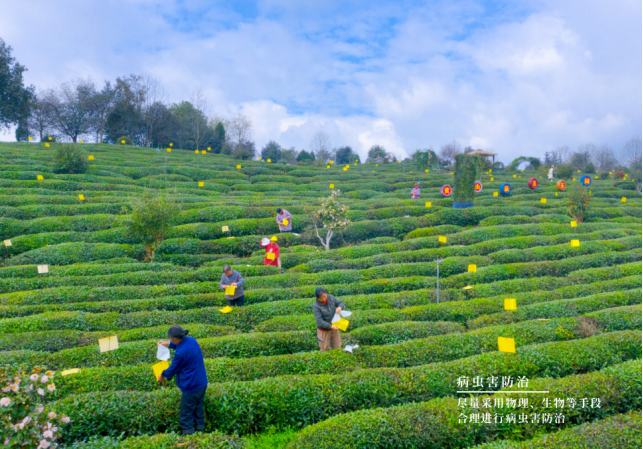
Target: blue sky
518,78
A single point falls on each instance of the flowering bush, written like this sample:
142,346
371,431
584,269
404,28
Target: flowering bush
332,216
23,420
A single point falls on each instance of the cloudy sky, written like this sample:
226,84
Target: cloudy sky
518,78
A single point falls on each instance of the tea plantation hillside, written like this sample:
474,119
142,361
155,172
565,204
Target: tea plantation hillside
576,327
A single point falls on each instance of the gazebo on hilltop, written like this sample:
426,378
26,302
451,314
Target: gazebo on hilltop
484,153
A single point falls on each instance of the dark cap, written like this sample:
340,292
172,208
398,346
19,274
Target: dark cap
319,291
279,210
177,332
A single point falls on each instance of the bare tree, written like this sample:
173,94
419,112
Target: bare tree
632,152
71,107
449,151
154,95
216,118
201,109
103,102
561,155
40,116
320,146
604,158
239,129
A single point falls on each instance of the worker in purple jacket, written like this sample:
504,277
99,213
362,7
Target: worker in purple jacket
415,192
282,215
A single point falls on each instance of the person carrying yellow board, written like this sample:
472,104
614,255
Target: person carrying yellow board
272,252
191,378
324,309
284,220
230,279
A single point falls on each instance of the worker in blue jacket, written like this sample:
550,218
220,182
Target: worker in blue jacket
189,369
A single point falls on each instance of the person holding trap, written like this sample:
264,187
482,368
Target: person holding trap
272,252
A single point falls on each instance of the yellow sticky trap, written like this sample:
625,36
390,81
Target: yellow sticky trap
495,193
573,179
285,222
573,223
345,168
543,319
442,239
328,166
468,287
543,200
40,178
108,343
67,372
226,309
514,176
81,141
377,165
171,144
29,137
595,177
7,243
42,269
81,197
577,171
169,150
520,176
225,229
426,170
506,344
49,138
258,158
491,179
47,144
590,192
451,172
556,194
209,148
196,151
159,367
122,141
238,167
330,162
342,324
427,204
575,243
472,268
332,186
203,152
90,157
230,290
623,199
269,160
201,184
355,164
510,304
521,171
270,256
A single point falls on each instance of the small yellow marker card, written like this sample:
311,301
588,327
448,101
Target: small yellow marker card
427,204
203,152
332,186
169,150
269,160
514,176
328,166
577,171
595,177
42,269
573,224
377,165
543,200
90,157
81,141
330,162
238,167
556,194
426,170
472,268
159,367
49,138
122,141
573,179
468,287
47,144
209,148
171,144
40,178
491,179
442,239
590,192
108,343
29,137
285,222
201,184
495,193
270,256
506,344
7,243
230,290
225,229
575,243
510,304
543,319
623,199
226,309
521,171
196,151
342,324
81,197
345,168
67,372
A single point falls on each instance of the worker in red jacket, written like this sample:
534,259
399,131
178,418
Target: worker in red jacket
272,252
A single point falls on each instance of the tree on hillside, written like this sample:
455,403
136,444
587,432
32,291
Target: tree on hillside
153,108
320,146
306,157
633,153
198,122
39,117
377,151
449,151
103,102
72,107
578,202
150,220
271,151
289,156
244,150
604,158
70,159
240,129
15,98
165,129
126,115
219,137
346,155
582,159
331,217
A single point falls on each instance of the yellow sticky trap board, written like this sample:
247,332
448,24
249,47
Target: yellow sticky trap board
451,172
342,324
269,160
442,239
42,269
577,171
573,179
258,158
7,243
47,144
238,167
495,193
90,157
328,166
201,183
230,290
345,169
196,151
81,197
468,287
595,177
426,170
472,268
40,178
491,179
108,343
590,192
159,367
330,162
67,372
332,186
225,229
573,224
203,152
50,138
514,176
209,148
521,171
29,137
122,141
355,164
270,256
543,200
543,319
575,243
226,309
81,141
556,194
623,199
506,344
169,150
285,222
427,204
171,144
510,304
377,165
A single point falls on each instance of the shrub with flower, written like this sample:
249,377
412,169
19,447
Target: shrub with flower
332,217
23,420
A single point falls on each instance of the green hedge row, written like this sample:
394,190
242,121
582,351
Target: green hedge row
71,253
85,269
436,423
80,223
298,401
215,440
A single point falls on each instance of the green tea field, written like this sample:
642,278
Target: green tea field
71,273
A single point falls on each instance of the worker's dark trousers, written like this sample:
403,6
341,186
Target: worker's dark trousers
191,411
